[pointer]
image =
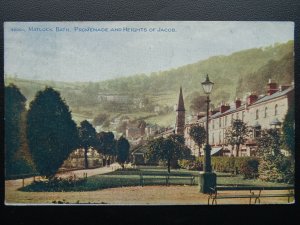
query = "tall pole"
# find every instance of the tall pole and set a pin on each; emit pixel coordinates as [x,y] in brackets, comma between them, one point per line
[207,179]
[207,159]
[207,115]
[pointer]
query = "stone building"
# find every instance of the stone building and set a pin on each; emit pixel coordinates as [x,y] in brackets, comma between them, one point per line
[258,112]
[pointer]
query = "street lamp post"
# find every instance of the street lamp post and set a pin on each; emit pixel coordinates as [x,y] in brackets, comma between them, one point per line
[207,178]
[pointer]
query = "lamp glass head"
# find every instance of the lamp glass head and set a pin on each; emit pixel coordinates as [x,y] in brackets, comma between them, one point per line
[207,85]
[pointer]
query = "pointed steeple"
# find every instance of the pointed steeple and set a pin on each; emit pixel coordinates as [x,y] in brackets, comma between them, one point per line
[180,106]
[180,118]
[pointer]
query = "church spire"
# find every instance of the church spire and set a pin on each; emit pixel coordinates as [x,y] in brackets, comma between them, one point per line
[180,118]
[180,106]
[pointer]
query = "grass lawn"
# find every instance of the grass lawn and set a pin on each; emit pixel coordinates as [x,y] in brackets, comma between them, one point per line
[150,175]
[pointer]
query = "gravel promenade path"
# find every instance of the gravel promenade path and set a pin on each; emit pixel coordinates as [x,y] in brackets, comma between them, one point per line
[147,195]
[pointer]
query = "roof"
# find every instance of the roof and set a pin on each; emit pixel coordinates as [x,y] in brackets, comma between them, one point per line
[260,100]
[140,149]
[275,95]
[275,122]
[215,150]
[180,106]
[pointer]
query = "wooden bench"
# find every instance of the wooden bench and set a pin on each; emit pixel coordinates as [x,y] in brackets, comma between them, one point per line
[255,192]
[167,179]
[190,179]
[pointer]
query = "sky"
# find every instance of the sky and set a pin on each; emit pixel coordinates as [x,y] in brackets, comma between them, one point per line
[95,51]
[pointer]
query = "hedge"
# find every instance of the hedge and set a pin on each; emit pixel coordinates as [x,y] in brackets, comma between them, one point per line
[247,166]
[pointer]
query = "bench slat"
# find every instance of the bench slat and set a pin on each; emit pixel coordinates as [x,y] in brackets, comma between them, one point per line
[215,192]
[236,196]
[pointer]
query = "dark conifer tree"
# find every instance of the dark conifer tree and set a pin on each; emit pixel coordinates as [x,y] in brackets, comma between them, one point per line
[51,132]
[87,136]
[122,148]
[14,108]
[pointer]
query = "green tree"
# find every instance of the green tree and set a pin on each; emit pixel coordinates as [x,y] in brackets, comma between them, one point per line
[198,135]
[51,132]
[237,134]
[100,119]
[269,142]
[14,109]
[288,130]
[198,104]
[273,166]
[106,144]
[87,138]
[168,149]
[122,148]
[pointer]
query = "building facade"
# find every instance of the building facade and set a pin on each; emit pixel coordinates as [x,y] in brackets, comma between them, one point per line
[258,112]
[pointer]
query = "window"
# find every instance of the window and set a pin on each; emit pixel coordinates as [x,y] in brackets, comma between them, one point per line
[225,121]
[220,142]
[266,112]
[231,118]
[213,124]
[276,110]
[243,115]
[237,116]
[257,132]
[220,122]
[257,114]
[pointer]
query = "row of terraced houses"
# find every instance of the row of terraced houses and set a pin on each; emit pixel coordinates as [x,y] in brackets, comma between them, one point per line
[258,112]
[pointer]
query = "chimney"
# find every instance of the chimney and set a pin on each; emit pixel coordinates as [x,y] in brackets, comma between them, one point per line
[272,87]
[224,108]
[200,115]
[251,98]
[238,103]
[214,111]
[283,87]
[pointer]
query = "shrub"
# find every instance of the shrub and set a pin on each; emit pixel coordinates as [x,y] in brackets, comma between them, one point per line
[247,166]
[276,169]
[191,164]
[55,184]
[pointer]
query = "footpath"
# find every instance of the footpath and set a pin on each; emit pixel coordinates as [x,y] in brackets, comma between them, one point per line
[89,172]
[16,184]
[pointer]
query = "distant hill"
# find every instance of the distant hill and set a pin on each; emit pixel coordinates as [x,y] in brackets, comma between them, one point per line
[233,75]
[229,73]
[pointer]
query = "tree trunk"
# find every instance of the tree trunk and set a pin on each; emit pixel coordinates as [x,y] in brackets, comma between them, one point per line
[86,164]
[237,150]
[169,165]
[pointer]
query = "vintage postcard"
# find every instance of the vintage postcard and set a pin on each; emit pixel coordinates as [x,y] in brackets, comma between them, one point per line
[149,113]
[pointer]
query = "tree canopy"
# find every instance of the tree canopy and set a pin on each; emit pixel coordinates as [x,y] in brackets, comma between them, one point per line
[274,166]
[87,138]
[198,104]
[237,134]
[52,134]
[269,142]
[122,149]
[14,108]
[100,119]
[198,134]
[288,130]
[168,149]
[106,143]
